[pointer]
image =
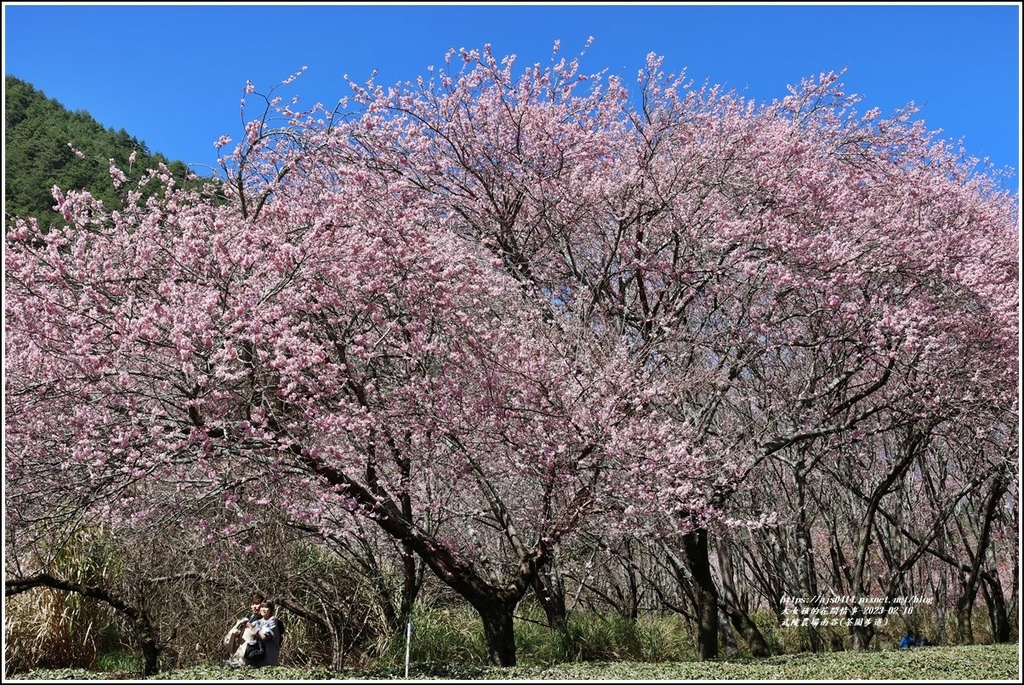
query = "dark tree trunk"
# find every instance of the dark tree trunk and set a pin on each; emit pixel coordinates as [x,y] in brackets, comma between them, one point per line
[498,632]
[412,573]
[746,627]
[698,560]
[547,585]
[999,618]
[964,611]
[972,583]
[807,576]
[495,603]
[736,607]
[861,637]
[938,597]
[412,579]
[732,650]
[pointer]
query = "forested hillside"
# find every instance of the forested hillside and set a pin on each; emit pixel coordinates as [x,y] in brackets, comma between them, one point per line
[42,137]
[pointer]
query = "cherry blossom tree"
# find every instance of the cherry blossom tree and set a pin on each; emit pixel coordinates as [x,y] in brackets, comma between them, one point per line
[361,359]
[487,312]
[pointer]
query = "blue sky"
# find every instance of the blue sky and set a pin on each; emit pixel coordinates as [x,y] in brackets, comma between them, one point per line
[172,74]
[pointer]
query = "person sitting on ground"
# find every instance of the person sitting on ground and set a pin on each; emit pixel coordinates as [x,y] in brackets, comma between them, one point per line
[268,632]
[908,640]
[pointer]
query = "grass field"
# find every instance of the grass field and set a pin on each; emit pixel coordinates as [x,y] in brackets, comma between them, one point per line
[976,663]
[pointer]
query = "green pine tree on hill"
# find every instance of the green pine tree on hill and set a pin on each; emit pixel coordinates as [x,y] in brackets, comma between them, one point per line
[38,154]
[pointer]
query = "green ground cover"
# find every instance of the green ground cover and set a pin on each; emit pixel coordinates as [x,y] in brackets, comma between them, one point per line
[973,663]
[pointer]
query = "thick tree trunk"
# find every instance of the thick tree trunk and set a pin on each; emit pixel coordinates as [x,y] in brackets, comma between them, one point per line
[964,626]
[746,627]
[972,583]
[412,579]
[807,577]
[997,614]
[695,551]
[412,573]
[732,650]
[861,637]
[495,603]
[551,594]
[498,631]
[735,607]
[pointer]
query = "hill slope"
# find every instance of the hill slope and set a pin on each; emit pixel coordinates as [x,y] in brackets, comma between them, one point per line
[42,137]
